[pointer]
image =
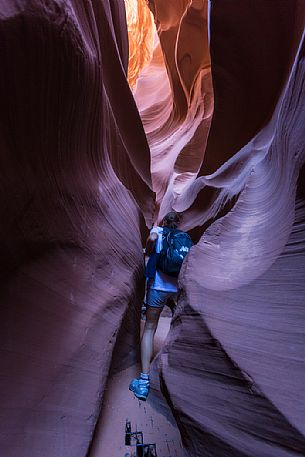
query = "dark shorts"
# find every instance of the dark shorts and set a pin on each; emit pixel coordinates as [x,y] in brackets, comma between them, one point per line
[158,298]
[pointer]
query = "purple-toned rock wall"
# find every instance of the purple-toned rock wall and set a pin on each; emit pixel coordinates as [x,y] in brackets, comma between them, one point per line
[71,250]
[233,365]
[225,127]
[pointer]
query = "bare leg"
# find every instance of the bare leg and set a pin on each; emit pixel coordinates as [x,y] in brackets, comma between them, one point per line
[147,342]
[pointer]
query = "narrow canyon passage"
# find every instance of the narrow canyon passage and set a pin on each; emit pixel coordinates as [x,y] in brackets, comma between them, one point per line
[113,113]
[153,417]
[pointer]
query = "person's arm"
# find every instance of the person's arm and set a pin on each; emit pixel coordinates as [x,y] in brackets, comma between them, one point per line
[151,242]
[150,248]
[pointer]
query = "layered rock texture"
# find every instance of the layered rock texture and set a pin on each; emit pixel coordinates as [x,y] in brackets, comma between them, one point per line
[175,97]
[242,280]
[214,128]
[233,365]
[75,183]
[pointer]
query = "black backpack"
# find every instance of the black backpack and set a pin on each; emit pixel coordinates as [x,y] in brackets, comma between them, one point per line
[175,247]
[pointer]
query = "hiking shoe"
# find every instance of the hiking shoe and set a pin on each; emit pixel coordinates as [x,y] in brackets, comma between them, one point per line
[140,388]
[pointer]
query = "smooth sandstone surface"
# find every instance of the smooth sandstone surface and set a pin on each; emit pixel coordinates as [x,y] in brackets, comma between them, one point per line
[75,183]
[212,126]
[236,340]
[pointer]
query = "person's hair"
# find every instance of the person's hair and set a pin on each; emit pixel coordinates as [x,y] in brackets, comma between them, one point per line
[171,220]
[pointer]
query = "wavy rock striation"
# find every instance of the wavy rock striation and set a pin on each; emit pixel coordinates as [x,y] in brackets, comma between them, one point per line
[77,172]
[69,272]
[236,339]
[175,97]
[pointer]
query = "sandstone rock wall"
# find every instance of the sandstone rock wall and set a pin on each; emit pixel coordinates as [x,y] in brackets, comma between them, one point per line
[232,369]
[222,105]
[71,251]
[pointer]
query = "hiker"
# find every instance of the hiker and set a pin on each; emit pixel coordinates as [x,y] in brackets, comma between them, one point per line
[167,247]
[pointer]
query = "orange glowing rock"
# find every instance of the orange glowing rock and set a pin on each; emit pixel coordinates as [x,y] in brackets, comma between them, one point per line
[141,31]
[174,95]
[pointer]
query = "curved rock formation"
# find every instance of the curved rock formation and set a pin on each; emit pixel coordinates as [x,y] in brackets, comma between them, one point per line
[69,271]
[78,178]
[175,97]
[236,340]
[246,394]
[141,32]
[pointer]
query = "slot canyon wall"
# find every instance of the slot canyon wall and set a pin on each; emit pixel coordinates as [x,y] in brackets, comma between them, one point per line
[233,365]
[75,171]
[214,128]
